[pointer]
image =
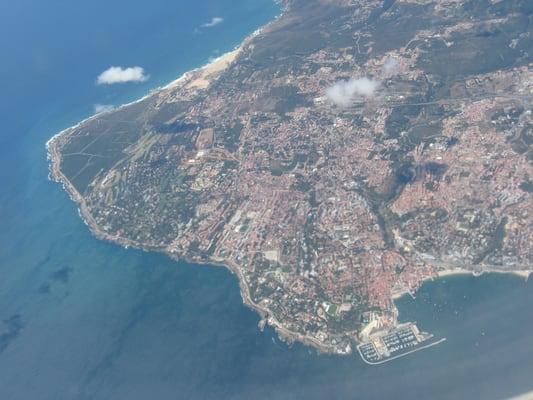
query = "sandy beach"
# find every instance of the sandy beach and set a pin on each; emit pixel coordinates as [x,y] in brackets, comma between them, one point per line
[206,74]
[444,273]
[196,78]
[459,271]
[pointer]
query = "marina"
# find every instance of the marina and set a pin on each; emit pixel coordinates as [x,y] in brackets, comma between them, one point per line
[388,345]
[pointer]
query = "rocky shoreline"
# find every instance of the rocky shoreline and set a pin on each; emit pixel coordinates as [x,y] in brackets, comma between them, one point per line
[285,334]
[266,316]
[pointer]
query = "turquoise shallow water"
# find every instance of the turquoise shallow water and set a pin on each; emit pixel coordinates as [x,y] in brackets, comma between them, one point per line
[85,319]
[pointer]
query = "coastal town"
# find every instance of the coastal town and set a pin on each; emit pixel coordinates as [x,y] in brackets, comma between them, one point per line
[337,159]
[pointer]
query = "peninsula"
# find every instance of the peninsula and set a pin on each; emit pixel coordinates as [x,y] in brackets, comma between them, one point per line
[342,155]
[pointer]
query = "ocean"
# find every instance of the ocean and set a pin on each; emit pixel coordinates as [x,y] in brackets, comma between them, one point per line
[86,319]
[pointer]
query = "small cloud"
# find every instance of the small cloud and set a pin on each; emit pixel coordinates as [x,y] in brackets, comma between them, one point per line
[214,22]
[343,93]
[391,66]
[100,108]
[121,75]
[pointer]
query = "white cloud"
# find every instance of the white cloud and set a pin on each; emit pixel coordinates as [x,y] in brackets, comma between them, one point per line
[121,75]
[100,108]
[214,22]
[391,66]
[343,93]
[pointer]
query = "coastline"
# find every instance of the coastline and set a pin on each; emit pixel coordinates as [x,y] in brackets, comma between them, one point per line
[182,79]
[265,315]
[54,157]
[201,75]
[460,271]
[450,272]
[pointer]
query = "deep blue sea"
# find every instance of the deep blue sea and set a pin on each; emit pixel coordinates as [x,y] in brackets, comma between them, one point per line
[85,319]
